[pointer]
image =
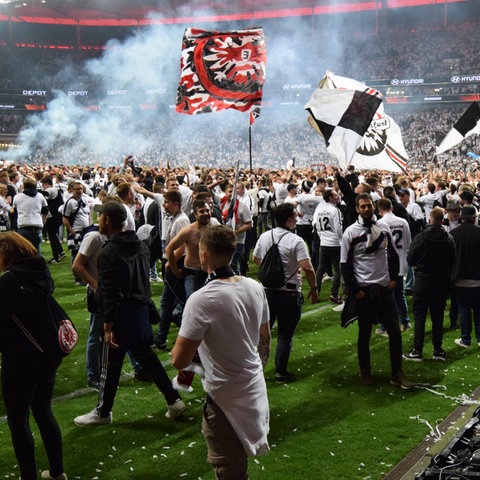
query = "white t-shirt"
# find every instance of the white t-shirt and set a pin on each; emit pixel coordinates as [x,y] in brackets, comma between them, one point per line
[227,318]
[401,237]
[91,247]
[29,209]
[292,250]
[327,220]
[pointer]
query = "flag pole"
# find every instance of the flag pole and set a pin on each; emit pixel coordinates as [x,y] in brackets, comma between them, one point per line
[250,146]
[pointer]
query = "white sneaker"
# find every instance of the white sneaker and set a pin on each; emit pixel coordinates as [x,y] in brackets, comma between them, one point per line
[459,342]
[92,418]
[45,475]
[175,409]
[339,308]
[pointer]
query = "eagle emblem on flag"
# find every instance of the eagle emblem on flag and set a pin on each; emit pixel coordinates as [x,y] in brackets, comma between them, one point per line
[221,70]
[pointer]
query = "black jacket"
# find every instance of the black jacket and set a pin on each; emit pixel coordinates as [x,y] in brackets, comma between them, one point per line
[123,270]
[349,197]
[467,243]
[23,290]
[432,253]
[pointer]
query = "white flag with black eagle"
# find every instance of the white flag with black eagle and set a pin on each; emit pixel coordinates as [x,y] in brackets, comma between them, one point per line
[379,144]
[468,124]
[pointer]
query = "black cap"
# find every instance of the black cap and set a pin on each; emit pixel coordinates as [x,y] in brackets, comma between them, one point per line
[404,191]
[114,210]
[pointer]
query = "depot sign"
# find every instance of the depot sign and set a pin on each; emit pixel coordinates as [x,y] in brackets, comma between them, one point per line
[38,93]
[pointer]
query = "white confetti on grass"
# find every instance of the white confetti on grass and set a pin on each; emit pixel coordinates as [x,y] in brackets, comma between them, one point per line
[434,432]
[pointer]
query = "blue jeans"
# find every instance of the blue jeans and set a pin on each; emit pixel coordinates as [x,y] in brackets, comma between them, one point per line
[410,280]
[33,235]
[237,258]
[94,345]
[285,308]
[468,299]
[194,280]
[173,294]
[401,302]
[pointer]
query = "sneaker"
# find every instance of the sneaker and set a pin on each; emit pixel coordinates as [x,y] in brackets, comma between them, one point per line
[53,261]
[80,284]
[336,300]
[95,384]
[439,354]
[339,308]
[459,342]
[92,418]
[381,331]
[413,355]
[284,377]
[326,278]
[161,346]
[61,256]
[366,377]
[46,476]
[402,381]
[175,409]
[405,326]
[154,279]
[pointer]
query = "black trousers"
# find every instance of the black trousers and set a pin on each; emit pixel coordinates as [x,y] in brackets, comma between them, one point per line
[378,305]
[52,225]
[433,299]
[28,387]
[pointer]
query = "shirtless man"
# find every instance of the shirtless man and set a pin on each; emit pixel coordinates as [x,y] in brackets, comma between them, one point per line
[188,239]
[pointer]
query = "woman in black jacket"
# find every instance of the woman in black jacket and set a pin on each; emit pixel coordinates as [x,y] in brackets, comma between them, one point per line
[28,375]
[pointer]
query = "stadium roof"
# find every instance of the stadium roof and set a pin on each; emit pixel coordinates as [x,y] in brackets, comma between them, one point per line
[138,12]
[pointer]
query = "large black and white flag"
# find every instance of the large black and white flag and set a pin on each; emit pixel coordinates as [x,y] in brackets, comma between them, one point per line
[381,146]
[468,124]
[342,116]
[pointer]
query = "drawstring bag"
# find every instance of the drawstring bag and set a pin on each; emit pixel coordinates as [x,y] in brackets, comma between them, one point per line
[59,337]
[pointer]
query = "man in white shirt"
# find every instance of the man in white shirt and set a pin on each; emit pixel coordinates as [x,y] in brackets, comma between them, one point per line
[32,210]
[328,223]
[402,241]
[227,321]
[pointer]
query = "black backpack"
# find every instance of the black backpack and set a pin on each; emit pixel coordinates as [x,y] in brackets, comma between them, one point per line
[271,272]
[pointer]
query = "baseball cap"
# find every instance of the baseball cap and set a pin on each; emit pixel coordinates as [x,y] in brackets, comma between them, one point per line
[404,191]
[114,210]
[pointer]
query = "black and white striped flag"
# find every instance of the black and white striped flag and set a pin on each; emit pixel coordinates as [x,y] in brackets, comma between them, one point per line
[342,116]
[468,124]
